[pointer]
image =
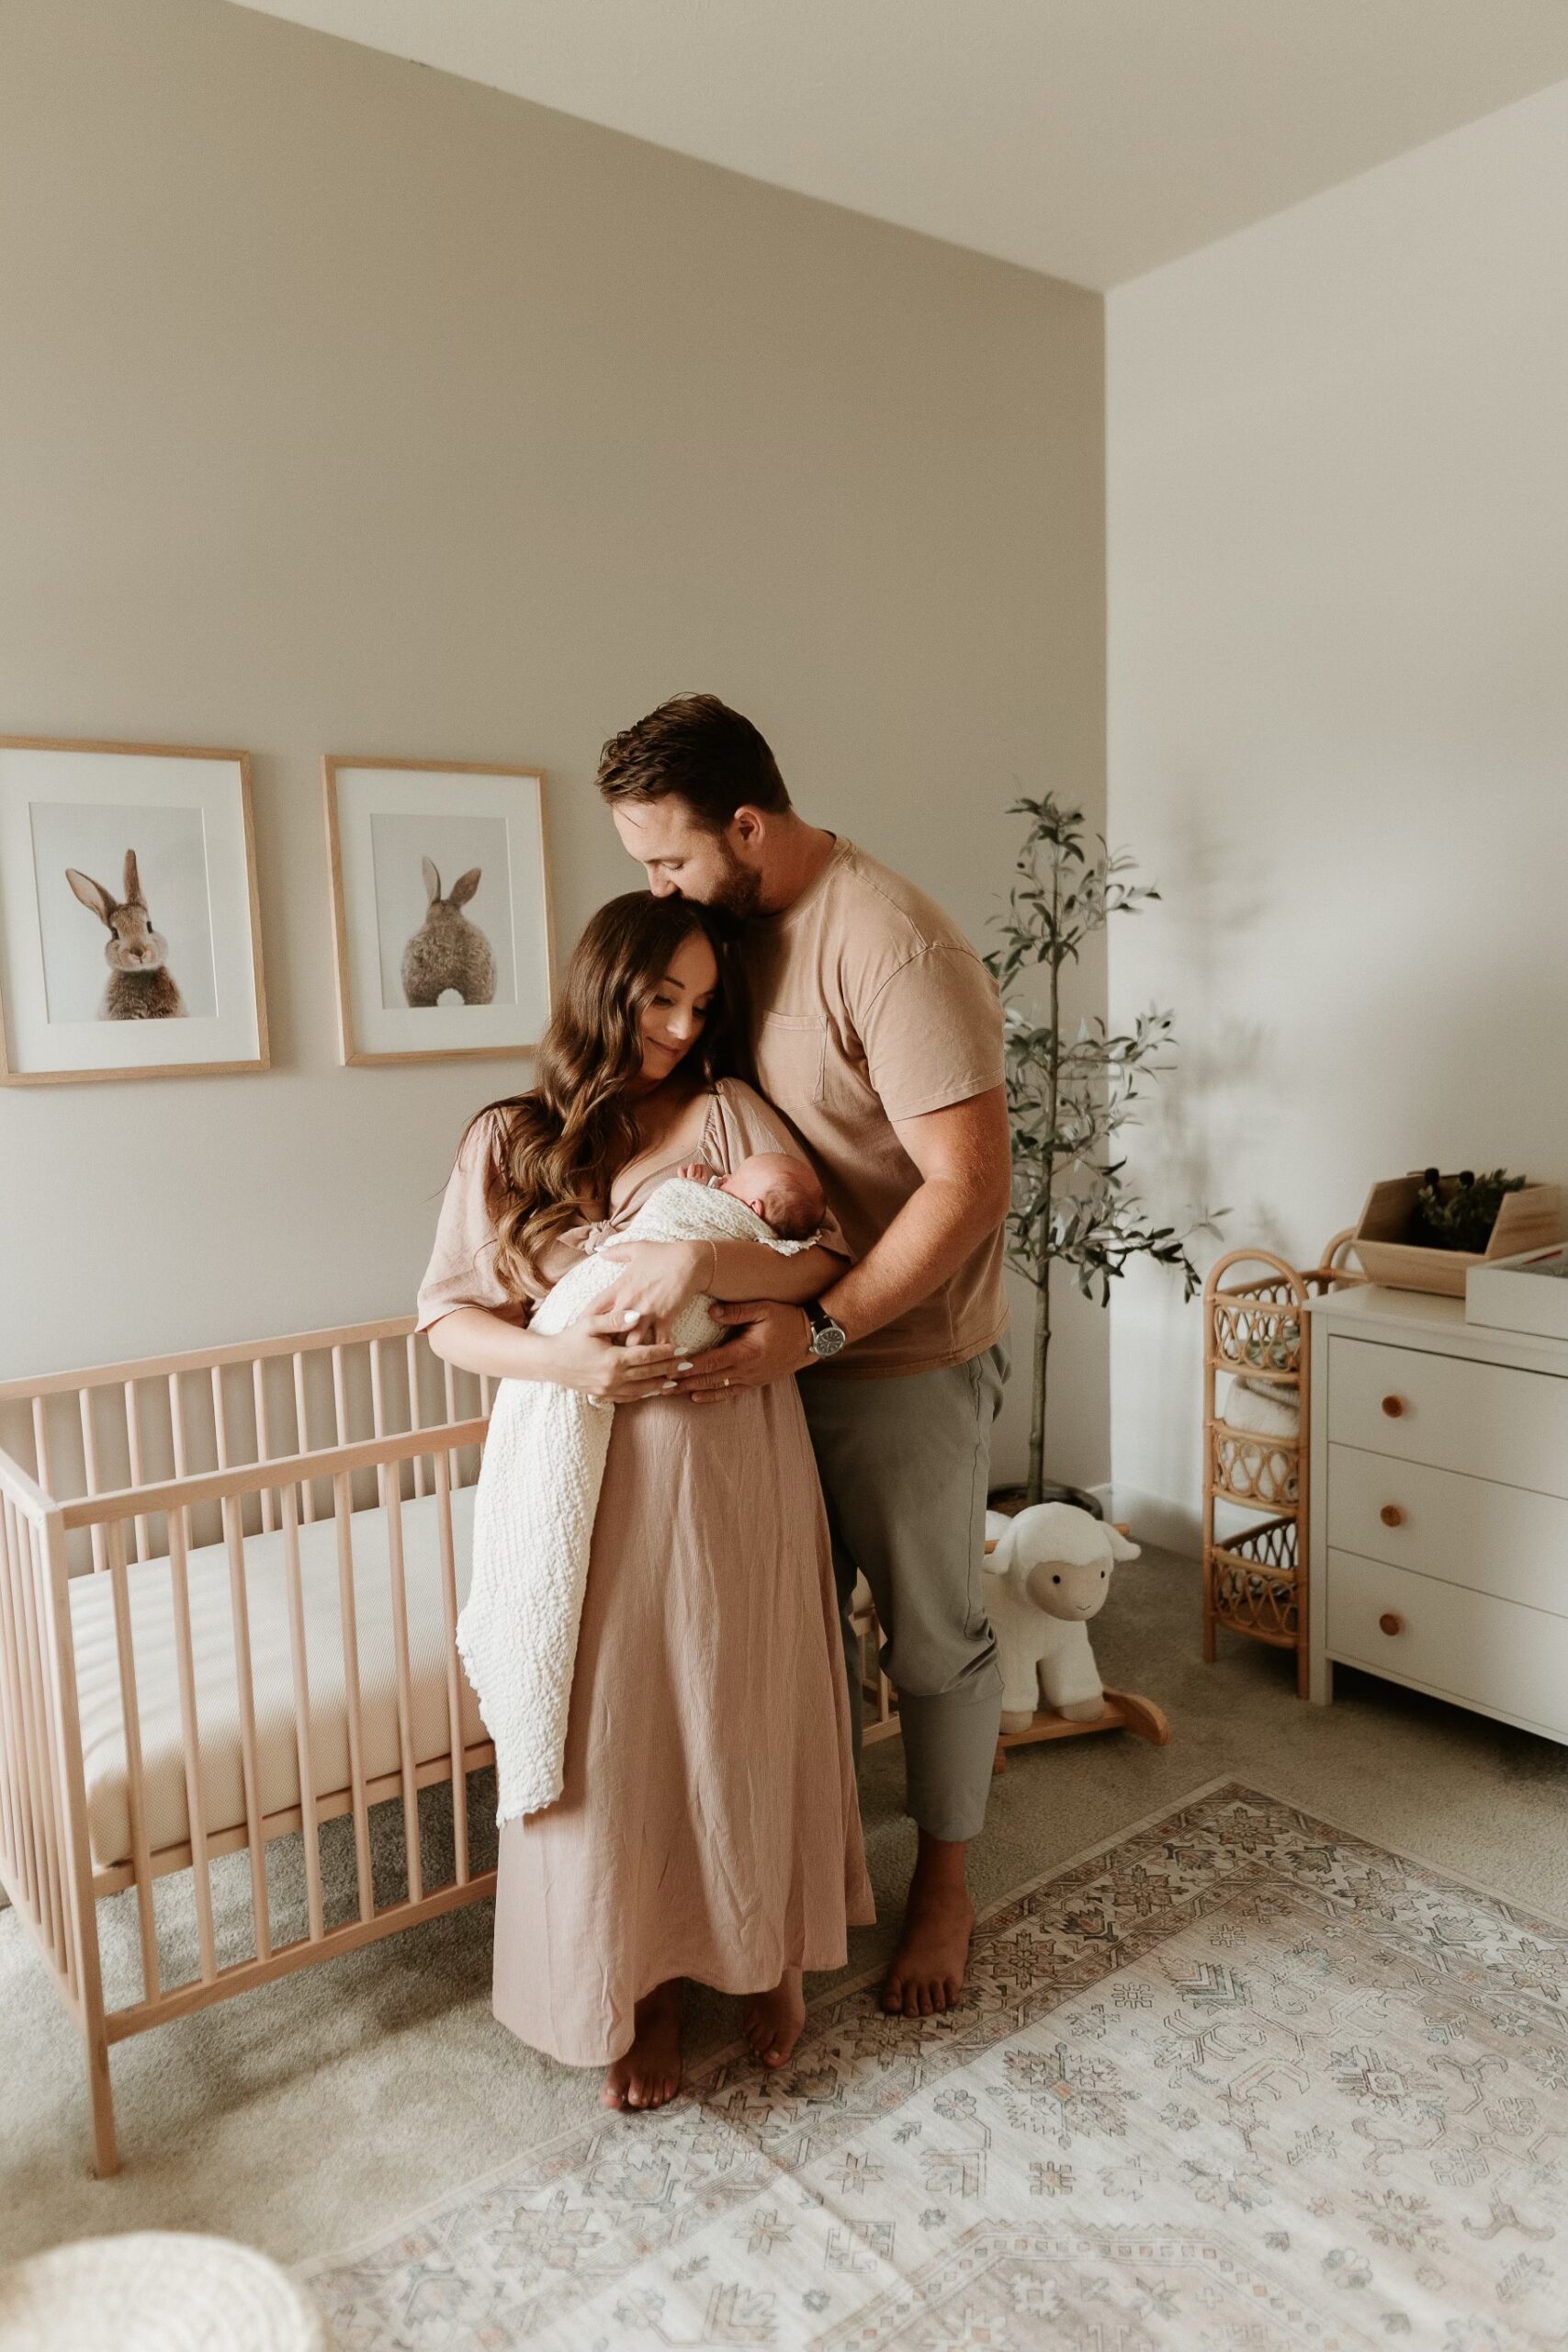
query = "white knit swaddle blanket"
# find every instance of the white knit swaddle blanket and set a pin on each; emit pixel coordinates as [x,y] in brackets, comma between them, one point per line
[538,1490]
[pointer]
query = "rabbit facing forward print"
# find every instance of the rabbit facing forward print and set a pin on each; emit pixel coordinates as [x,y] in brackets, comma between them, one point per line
[448,950]
[140,986]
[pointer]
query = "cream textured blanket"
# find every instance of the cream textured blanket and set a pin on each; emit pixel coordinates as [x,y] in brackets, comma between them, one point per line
[538,1490]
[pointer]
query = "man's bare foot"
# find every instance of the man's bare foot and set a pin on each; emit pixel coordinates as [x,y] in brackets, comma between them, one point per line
[925,1976]
[773,2019]
[649,2073]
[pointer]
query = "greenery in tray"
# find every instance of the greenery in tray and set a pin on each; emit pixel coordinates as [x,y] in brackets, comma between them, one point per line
[1462,1218]
[1069,1097]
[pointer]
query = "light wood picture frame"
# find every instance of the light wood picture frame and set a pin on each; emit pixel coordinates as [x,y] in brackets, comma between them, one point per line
[130,922]
[443,927]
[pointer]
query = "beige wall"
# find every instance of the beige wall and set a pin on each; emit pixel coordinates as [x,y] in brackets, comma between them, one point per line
[1338,701]
[347,406]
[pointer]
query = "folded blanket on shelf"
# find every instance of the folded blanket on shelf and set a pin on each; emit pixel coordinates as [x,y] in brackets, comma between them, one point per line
[538,1491]
[1263,1408]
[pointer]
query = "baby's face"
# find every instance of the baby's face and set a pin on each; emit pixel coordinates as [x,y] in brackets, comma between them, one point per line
[782,1191]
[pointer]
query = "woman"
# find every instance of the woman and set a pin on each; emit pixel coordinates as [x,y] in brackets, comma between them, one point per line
[708,1826]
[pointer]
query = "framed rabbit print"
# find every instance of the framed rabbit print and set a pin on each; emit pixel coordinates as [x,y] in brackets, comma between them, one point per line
[441,908]
[129,939]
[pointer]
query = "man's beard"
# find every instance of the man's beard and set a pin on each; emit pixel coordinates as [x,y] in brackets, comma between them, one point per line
[735,901]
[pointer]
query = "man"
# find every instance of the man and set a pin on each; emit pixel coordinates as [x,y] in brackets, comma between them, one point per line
[878,1034]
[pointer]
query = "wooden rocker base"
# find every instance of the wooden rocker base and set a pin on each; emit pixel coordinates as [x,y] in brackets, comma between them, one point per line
[1123,1712]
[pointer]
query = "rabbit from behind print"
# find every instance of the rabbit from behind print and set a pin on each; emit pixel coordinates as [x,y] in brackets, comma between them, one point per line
[448,950]
[140,986]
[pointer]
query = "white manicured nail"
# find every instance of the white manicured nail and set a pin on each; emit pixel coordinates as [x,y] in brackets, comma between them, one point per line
[630,1314]
[685,1365]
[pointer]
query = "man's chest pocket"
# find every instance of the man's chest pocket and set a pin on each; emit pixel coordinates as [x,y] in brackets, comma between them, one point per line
[792,1059]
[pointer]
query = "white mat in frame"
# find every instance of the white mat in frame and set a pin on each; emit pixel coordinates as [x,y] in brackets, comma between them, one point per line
[184,813]
[396,828]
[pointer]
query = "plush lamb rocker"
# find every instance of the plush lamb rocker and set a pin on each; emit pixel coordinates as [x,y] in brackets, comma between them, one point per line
[1050,1572]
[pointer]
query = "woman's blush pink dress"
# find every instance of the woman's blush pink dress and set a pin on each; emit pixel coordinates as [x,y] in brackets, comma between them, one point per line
[708,1826]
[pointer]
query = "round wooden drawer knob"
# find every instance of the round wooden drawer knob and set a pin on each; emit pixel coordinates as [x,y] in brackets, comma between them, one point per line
[1390,1624]
[1394,1407]
[1390,1515]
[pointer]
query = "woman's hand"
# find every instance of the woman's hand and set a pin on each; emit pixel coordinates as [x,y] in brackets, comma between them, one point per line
[660,1279]
[597,1357]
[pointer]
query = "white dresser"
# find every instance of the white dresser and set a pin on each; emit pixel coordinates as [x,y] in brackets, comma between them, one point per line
[1440,1505]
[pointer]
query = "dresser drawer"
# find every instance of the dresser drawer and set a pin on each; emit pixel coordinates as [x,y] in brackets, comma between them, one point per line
[1467,1647]
[1484,1419]
[1503,1539]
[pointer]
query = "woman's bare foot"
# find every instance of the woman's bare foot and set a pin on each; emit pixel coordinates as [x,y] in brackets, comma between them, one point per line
[773,2019]
[925,1975]
[649,2073]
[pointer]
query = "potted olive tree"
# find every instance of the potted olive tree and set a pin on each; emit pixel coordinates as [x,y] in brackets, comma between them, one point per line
[1068,1099]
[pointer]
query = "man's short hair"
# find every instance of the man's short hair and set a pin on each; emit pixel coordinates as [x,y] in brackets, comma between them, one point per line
[696,749]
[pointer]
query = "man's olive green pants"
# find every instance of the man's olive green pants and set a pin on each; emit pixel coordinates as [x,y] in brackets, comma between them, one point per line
[904,1465]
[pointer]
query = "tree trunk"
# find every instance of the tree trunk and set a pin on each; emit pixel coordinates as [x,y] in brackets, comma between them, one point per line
[1043,1291]
[1037,1393]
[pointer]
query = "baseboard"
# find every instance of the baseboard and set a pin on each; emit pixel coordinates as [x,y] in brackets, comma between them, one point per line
[1154,1518]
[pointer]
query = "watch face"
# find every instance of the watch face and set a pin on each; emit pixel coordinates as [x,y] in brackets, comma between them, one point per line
[827,1342]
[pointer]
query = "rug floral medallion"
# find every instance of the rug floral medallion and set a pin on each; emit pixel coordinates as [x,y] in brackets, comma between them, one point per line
[1239,2081]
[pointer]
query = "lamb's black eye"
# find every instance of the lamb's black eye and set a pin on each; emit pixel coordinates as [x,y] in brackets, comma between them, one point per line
[1056,1579]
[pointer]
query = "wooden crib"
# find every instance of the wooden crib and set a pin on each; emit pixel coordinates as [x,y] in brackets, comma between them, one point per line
[229,1586]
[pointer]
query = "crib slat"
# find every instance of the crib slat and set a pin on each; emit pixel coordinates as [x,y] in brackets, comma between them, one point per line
[90,1464]
[289,1500]
[133,1451]
[51,1885]
[453,1669]
[50,1727]
[40,1443]
[219,1417]
[449,1389]
[340,1404]
[130,1714]
[10,1782]
[302,1444]
[244,1686]
[177,1437]
[77,1845]
[264,1442]
[392,1504]
[416,1417]
[191,1739]
[12,1571]
[344,1500]
[378,1402]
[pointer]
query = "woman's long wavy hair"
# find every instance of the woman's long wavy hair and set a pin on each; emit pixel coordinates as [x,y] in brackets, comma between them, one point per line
[554,1150]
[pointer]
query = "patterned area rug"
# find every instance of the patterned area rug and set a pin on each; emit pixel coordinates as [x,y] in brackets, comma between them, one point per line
[1237,2081]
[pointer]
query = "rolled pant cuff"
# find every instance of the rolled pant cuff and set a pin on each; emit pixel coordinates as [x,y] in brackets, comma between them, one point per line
[950,1747]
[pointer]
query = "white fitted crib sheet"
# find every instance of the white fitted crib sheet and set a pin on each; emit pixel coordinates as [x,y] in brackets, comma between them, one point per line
[217,1702]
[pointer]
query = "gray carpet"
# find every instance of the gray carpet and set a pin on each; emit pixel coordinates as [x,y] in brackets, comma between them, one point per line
[308,2115]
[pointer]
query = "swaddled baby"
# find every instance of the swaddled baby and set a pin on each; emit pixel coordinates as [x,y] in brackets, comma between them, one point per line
[784,1192]
[544,1463]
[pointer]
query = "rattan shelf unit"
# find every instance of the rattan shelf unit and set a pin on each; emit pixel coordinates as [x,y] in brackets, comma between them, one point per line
[1256,1327]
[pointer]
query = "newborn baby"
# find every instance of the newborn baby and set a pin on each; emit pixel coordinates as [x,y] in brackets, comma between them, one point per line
[775,1186]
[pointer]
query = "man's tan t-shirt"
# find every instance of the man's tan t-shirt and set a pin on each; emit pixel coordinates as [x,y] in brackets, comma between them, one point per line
[871,1006]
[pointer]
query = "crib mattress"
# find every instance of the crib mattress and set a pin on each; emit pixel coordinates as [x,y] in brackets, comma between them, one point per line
[217,1702]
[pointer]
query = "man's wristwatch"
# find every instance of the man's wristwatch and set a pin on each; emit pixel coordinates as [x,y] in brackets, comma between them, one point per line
[828,1337]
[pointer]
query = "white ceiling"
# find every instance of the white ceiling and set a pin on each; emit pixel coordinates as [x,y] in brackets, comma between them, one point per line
[1091,139]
